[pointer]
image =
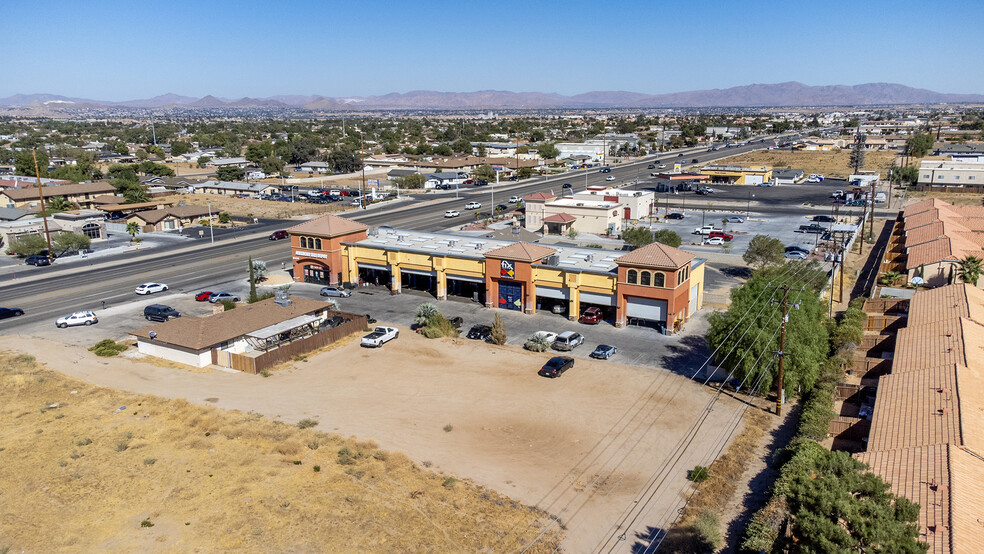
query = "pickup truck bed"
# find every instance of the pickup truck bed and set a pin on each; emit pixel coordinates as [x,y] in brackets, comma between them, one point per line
[380,336]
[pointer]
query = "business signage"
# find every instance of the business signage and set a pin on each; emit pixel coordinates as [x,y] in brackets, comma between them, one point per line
[498,168]
[311,254]
[373,182]
[507,268]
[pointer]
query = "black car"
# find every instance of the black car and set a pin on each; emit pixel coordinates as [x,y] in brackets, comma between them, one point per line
[814,228]
[651,166]
[160,312]
[797,249]
[674,215]
[824,218]
[480,332]
[566,185]
[481,182]
[37,260]
[555,367]
[10,312]
[695,161]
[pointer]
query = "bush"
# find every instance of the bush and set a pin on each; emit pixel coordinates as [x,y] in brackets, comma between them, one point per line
[449,483]
[307,423]
[107,348]
[818,411]
[498,335]
[228,305]
[425,311]
[698,474]
[439,326]
[259,297]
[707,529]
[224,217]
[537,343]
[347,458]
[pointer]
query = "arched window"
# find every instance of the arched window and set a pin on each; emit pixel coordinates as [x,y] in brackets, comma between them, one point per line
[644,278]
[304,242]
[631,276]
[659,279]
[317,244]
[91,230]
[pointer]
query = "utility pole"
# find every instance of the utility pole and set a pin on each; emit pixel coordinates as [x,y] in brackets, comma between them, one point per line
[782,346]
[362,146]
[44,210]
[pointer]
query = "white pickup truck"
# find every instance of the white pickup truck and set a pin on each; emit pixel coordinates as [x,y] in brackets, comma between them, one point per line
[380,335]
[705,230]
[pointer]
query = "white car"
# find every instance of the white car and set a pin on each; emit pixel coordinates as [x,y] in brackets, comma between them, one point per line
[513,199]
[379,336]
[662,166]
[473,205]
[451,213]
[150,288]
[714,241]
[548,337]
[610,178]
[78,318]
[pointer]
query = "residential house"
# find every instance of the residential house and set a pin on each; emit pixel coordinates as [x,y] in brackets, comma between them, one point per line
[233,188]
[314,167]
[171,218]
[787,176]
[227,162]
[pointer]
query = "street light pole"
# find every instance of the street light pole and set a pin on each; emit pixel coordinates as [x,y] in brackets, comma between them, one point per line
[211,226]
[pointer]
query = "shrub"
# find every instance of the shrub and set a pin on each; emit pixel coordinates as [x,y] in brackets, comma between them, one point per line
[150,461]
[698,474]
[425,311]
[448,428]
[228,305]
[438,326]
[146,523]
[317,469]
[84,442]
[107,348]
[707,529]
[498,335]
[537,343]
[449,483]
[259,297]
[307,423]
[224,217]
[347,458]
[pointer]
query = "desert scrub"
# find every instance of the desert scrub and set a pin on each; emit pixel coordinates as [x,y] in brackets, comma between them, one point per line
[107,348]
[307,423]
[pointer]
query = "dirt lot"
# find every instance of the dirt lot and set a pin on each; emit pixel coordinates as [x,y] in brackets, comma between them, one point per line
[581,448]
[86,468]
[251,207]
[833,163]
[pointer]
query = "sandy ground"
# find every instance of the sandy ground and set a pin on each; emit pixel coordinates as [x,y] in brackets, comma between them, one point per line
[251,207]
[582,447]
[834,163]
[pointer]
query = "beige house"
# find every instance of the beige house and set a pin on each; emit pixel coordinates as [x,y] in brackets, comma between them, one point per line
[636,204]
[169,219]
[550,215]
[81,194]
[83,222]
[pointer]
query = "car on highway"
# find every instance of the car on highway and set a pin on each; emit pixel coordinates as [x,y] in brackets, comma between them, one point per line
[556,366]
[451,213]
[695,161]
[514,199]
[481,182]
[674,215]
[610,178]
[567,186]
[662,166]
[203,296]
[337,292]
[715,241]
[795,255]
[10,312]
[150,288]
[220,296]
[703,191]
[592,316]
[603,352]
[278,235]
[77,318]
[473,205]
[480,332]
[502,208]
[606,170]
[651,166]
[735,219]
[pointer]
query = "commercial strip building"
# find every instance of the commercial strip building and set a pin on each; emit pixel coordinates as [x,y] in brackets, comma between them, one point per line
[656,285]
[250,338]
[945,175]
[598,210]
[737,175]
[930,239]
[90,223]
[926,434]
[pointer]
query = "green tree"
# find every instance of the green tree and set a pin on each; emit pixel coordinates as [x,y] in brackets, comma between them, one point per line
[753,311]
[415,181]
[179,148]
[256,152]
[141,154]
[202,160]
[57,204]
[156,150]
[480,150]
[462,146]
[667,237]
[763,251]
[637,236]
[121,149]
[133,229]
[484,171]
[303,149]
[271,165]
[838,506]
[230,173]
[153,168]
[252,282]
[547,151]
[537,135]
[498,334]
[27,245]
[24,163]
[70,242]
[970,270]
[919,145]
[344,160]
[443,150]
[124,172]
[524,172]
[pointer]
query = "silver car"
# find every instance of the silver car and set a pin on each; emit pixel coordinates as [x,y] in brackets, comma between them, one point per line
[78,318]
[335,291]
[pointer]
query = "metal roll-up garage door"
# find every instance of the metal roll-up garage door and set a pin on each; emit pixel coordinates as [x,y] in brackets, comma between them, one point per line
[753,179]
[466,278]
[646,308]
[550,292]
[595,298]
[374,266]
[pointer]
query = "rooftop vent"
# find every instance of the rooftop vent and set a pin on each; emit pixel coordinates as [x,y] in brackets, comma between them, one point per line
[281,298]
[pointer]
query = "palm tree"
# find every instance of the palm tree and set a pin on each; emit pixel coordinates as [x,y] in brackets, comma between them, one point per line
[57,204]
[132,228]
[970,269]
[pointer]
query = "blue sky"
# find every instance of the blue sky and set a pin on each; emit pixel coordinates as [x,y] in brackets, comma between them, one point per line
[126,50]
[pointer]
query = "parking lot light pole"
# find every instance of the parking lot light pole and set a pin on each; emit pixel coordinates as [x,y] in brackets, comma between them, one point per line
[211,225]
[748,206]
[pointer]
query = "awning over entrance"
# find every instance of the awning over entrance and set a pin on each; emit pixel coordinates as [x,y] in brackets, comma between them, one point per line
[550,292]
[466,278]
[595,298]
[275,330]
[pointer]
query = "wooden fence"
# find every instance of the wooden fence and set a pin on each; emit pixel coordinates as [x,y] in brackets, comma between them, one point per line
[886,306]
[256,362]
[849,428]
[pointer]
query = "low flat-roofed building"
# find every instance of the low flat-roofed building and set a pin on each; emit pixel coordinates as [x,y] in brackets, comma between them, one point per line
[90,223]
[602,217]
[80,194]
[736,174]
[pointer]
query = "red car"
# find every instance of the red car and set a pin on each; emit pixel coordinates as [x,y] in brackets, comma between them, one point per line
[592,315]
[719,234]
[277,235]
[203,296]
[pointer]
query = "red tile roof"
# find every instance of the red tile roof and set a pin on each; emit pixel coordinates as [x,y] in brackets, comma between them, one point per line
[540,196]
[521,251]
[656,255]
[328,226]
[946,303]
[560,218]
[958,341]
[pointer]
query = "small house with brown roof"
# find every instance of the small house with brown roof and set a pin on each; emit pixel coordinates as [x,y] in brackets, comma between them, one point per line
[81,194]
[171,218]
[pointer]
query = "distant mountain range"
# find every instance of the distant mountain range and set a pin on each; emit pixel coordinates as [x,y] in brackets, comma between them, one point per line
[749,96]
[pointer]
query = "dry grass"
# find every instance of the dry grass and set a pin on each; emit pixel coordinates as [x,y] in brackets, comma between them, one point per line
[223,480]
[243,207]
[717,492]
[833,163]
